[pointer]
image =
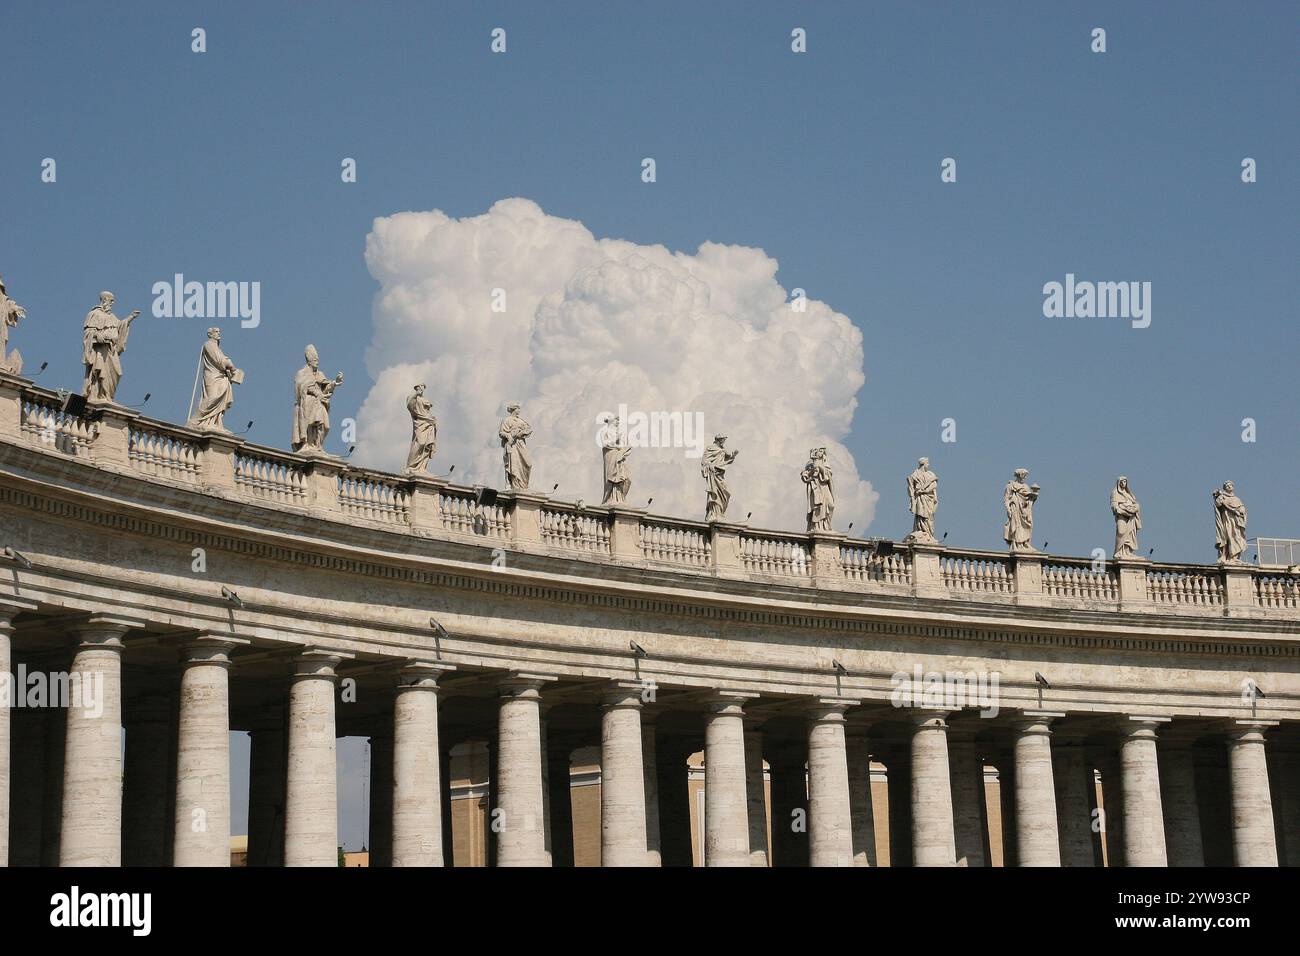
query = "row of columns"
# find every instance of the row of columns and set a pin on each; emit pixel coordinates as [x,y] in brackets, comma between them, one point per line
[1046,785]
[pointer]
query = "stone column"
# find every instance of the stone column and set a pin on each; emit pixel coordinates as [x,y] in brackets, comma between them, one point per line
[1037,839]
[898,786]
[1004,755]
[559,782]
[726,820]
[933,840]
[311,797]
[266,780]
[830,817]
[417,778]
[1254,841]
[1178,798]
[967,795]
[146,782]
[649,761]
[202,834]
[1214,799]
[857,742]
[28,785]
[380,839]
[1144,829]
[622,777]
[444,799]
[1112,809]
[522,838]
[1072,773]
[91,833]
[755,792]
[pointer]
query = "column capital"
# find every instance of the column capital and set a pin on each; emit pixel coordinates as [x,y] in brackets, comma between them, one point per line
[1249,731]
[1134,726]
[210,648]
[1035,721]
[318,662]
[929,717]
[422,675]
[622,693]
[731,702]
[524,684]
[828,709]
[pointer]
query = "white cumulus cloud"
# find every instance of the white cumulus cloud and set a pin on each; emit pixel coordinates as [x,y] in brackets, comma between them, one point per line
[594,324]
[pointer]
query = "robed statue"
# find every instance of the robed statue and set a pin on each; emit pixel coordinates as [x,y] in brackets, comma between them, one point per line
[103,342]
[312,392]
[219,380]
[819,484]
[514,434]
[922,501]
[1019,498]
[1229,524]
[713,466]
[614,452]
[10,313]
[1128,518]
[424,432]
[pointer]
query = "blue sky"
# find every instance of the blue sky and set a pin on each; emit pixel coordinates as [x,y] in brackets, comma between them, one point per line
[1116,166]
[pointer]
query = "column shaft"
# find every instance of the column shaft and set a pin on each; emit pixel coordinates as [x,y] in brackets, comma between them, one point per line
[1254,842]
[756,795]
[1144,830]
[933,840]
[726,820]
[202,835]
[861,803]
[521,840]
[967,797]
[1037,838]
[1073,775]
[91,833]
[622,779]
[146,783]
[380,839]
[266,770]
[1178,799]
[830,816]
[311,797]
[649,762]
[417,769]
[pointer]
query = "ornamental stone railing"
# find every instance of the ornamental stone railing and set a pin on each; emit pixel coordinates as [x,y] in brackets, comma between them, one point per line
[328,488]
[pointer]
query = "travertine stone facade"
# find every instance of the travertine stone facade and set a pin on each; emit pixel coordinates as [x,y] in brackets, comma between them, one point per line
[634,689]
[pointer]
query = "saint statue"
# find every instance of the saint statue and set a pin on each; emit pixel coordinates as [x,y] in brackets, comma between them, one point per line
[219,379]
[1128,518]
[821,490]
[713,466]
[103,342]
[10,313]
[1019,500]
[514,434]
[1229,524]
[312,392]
[424,432]
[618,476]
[922,501]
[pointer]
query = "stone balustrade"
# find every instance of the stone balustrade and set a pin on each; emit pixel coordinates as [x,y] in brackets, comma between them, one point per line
[118,438]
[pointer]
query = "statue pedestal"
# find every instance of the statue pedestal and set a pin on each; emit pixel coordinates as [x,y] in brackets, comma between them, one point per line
[1027,571]
[927,575]
[11,404]
[625,532]
[826,570]
[526,528]
[1133,594]
[113,443]
[724,542]
[1239,590]
[323,470]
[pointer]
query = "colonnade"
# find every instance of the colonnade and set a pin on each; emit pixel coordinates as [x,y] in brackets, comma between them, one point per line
[1160,805]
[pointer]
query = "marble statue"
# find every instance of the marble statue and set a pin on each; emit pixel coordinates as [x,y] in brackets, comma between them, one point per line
[219,380]
[312,392]
[820,487]
[10,313]
[514,434]
[922,501]
[618,476]
[1229,524]
[713,466]
[1128,518]
[1019,500]
[103,342]
[424,432]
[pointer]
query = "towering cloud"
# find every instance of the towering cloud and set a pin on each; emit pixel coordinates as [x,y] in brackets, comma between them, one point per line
[590,325]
